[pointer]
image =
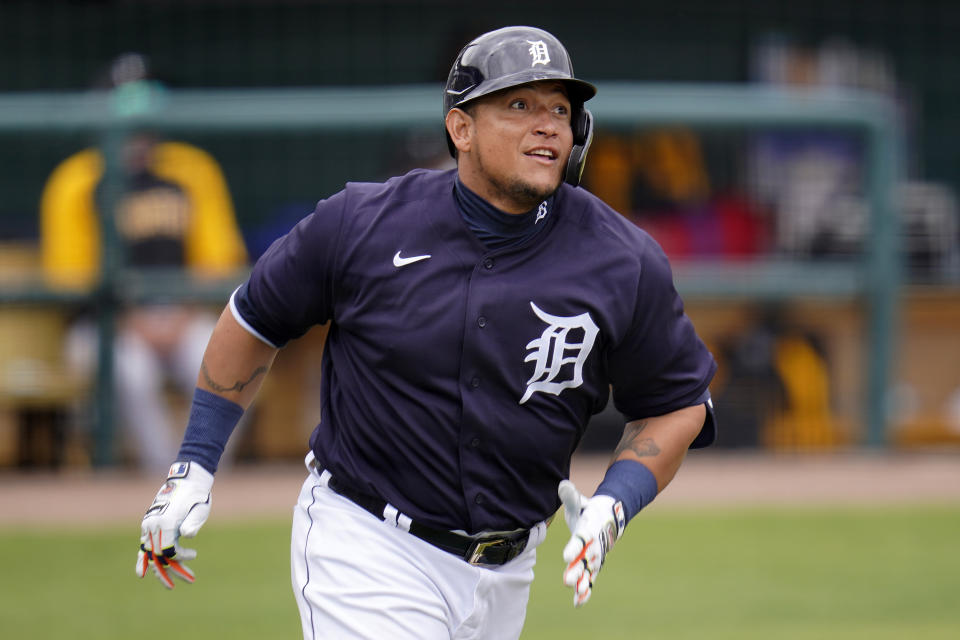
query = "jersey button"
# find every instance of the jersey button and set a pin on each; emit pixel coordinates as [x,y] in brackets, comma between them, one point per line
[475,383]
[479,498]
[488,263]
[481,322]
[475,443]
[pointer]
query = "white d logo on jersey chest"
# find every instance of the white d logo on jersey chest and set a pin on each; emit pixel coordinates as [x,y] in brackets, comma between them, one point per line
[538,51]
[551,353]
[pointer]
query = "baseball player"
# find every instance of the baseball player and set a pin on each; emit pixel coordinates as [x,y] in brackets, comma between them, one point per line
[478,318]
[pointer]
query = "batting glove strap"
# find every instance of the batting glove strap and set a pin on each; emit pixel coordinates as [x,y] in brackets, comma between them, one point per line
[179,509]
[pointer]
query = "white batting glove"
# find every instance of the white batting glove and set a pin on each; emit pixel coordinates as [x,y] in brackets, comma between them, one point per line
[179,510]
[595,524]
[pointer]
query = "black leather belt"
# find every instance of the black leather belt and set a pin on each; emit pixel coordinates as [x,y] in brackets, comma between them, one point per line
[492,549]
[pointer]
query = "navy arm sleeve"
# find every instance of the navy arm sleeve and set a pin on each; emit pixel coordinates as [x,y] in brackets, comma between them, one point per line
[661,365]
[292,286]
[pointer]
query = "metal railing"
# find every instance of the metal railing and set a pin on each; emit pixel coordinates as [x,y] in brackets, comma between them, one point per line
[876,279]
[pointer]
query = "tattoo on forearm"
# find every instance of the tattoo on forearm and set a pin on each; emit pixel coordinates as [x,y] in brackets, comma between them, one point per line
[631,441]
[237,386]
[644,447]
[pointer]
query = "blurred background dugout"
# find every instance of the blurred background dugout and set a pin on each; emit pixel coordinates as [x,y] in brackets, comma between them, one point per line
[792,372]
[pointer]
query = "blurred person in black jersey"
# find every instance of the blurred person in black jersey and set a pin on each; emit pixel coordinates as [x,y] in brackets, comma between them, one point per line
[174,212]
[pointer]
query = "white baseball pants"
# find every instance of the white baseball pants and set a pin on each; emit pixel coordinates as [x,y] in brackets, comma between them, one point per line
[355,576]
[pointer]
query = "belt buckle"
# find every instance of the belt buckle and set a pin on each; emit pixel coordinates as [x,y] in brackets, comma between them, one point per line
[480,547]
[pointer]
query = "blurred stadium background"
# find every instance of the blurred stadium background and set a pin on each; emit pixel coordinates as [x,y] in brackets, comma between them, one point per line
[830,297]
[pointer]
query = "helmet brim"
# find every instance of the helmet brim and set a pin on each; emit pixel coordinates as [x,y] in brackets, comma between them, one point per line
[578,91]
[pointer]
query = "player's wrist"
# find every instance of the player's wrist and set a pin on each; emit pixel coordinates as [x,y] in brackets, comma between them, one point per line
[631,483]
[212,419]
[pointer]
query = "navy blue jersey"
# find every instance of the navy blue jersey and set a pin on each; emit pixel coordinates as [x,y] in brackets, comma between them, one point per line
[456,380]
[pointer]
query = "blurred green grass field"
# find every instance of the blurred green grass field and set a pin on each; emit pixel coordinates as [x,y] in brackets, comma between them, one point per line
[745,573]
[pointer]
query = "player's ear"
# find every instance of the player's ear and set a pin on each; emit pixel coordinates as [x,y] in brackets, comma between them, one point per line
[459,125]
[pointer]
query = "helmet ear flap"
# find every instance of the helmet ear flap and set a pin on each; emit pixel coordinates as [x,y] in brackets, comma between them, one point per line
[582,137]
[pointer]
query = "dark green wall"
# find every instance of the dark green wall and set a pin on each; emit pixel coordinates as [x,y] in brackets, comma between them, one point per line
[64,45]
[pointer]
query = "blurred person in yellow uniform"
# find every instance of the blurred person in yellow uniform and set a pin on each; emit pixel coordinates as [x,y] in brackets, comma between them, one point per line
[174,211]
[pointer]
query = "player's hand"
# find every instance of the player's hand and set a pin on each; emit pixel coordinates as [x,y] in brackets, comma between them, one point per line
[179,510]
[595,524]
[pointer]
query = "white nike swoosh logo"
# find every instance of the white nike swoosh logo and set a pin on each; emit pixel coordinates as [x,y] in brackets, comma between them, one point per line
[402,262]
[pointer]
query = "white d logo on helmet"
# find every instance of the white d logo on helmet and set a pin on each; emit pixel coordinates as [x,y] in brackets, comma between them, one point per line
[538,51]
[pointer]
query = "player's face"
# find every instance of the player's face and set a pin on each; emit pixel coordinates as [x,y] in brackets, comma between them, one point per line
[520,141]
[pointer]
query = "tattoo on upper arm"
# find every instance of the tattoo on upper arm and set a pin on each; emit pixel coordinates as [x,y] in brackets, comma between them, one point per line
[631,441]
[237,386]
